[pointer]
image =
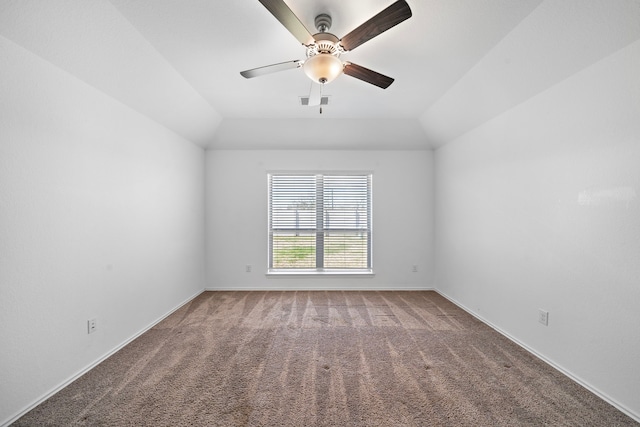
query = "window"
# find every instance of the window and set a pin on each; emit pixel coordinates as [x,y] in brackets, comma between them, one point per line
[319,223]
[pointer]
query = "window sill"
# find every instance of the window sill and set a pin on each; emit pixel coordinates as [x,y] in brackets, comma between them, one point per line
[320,273]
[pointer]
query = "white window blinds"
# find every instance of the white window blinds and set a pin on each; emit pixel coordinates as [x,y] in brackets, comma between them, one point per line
[320,222]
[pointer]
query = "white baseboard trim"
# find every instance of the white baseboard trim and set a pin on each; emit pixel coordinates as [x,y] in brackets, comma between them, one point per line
[92,365]
[591,388]
[87,368]
[320,287]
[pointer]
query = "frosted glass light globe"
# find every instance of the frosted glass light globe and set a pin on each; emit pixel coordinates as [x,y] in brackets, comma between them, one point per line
[323,68]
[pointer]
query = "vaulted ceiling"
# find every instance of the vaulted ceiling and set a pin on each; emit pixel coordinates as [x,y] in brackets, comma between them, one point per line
[456,63]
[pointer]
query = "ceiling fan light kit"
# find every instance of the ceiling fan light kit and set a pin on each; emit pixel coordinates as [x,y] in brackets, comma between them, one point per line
[323,63]
[323,68]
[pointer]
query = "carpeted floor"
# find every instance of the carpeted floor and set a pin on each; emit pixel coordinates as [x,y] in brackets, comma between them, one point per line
[323,359]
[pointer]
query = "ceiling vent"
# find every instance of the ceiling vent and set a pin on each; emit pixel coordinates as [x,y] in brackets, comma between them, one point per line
[304,100]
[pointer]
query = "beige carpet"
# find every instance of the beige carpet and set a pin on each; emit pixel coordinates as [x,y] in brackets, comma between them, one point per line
[323,359]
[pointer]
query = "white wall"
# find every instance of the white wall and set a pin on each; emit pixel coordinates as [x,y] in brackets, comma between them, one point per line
[332,134]
[237,216]
[101,216]
[538,208]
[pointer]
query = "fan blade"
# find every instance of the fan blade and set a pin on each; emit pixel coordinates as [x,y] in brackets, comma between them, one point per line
[390,17]
[367,75]
[281,11]
[315,94]
[268,69]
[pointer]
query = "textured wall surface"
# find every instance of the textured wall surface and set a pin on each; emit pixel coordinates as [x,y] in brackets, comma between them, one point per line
[101,216]
[237,216]
[540,208]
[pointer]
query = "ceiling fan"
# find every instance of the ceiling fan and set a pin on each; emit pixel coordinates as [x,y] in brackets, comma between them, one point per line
[323,63]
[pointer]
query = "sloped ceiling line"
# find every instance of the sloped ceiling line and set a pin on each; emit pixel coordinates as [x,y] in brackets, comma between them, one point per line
[457,63]
[93,42]
[557,40]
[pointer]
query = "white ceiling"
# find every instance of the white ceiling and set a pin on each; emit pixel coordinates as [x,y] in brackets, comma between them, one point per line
[457,63]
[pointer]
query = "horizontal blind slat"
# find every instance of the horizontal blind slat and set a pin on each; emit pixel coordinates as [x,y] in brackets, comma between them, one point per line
[327,213]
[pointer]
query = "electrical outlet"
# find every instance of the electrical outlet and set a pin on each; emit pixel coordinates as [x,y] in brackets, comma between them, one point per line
[92,325]
[415,268]
[543,317]
[247,268]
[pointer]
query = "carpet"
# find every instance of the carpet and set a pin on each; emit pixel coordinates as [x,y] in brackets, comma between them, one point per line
[319,358]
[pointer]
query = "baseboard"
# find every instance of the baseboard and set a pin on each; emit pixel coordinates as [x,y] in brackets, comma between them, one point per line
[577,379]
[320,287]
[92,365]
[569,374]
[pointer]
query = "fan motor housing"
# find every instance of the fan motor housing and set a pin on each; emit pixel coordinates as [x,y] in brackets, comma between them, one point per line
[323,64]
[324,43]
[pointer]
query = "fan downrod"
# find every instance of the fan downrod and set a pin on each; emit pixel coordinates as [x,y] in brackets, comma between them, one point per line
[323,23]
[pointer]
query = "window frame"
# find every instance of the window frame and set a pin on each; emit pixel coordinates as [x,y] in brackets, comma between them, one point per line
[320,229]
